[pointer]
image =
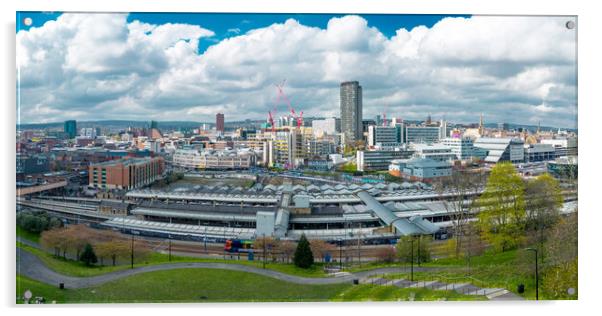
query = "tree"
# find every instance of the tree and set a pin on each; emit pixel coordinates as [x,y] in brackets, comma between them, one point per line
[113,249]
[303,256]
[543,203]
[386,254]
[78,236]
[561,269]
[462,186]
[421,248]
[267,243]
[55,239]
[88,256]
[286,249]
[349,167]
[37,222]
[321,248]
[502,216]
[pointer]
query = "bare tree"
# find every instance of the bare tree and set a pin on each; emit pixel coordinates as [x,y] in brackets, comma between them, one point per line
[386,254]
[56,240]
[113,249]
[78,236]
[321,248]
[266,243]
[286,249]
[458,194]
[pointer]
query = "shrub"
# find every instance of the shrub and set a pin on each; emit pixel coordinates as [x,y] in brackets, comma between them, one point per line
[303,255]
[88,257]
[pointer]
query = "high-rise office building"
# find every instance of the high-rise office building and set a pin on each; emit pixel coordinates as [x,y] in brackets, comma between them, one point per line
[71,128]
[351,111]
[219,122]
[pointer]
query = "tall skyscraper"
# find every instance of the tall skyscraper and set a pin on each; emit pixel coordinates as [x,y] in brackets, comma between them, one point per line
[219,122]
[71,128]
[351,111]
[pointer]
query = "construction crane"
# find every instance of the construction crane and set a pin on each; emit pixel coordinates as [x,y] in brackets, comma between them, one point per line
[300,119]
[271,120]
[282,95]
[385,116]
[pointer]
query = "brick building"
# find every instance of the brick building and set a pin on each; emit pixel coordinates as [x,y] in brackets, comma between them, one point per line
[128,173]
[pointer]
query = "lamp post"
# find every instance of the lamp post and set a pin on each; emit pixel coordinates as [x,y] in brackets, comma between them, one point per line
[536,273]
[264,251]
[132,251]
[419,237]
[205,239]
[340,254]
[169,247]
[412,259]
[359,250]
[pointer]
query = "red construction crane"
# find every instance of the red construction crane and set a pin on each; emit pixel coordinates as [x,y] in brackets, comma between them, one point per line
[385,116]
[300,119]
[281,94]
[271,120]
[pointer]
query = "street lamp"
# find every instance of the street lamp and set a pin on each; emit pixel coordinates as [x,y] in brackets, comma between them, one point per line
[536,273]
[412,259]
[169,247]
[264,250]
[132,251]
[340,240]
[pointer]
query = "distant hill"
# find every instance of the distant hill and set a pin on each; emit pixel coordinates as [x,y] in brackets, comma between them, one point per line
[175,125]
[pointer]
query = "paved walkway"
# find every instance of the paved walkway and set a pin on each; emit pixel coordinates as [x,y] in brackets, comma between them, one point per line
[31,266]
[462,288]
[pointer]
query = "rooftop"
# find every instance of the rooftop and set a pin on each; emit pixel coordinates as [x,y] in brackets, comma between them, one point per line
[125,162]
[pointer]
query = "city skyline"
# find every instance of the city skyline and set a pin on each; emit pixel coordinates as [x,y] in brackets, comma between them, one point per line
[162,71]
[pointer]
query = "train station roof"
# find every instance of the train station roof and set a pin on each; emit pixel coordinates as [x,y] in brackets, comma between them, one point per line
[415,225]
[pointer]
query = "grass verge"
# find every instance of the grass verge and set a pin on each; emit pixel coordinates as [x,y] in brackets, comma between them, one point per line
[367,292]
[76,268]
[25,234]
[186,285]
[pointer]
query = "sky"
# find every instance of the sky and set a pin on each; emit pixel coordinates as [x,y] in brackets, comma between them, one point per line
[180,66]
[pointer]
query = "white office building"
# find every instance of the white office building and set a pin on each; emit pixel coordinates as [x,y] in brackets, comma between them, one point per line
[324,127]
[88,132]
[379,159]
[563,147]
[437,152]
[187,158]
[502,149]
[420,169]
[384,136]
[423,134]
[463,147]
[539,152]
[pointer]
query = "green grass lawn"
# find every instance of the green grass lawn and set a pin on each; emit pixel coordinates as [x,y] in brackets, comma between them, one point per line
[27,234]
[210,285]
[186,285]
[488,270]
[76,268]
[368,292]
[492,270]
[498,278]
[51,293]
[68,266]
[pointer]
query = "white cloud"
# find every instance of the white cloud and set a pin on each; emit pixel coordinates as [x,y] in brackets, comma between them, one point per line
[98,66]
[234,30]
